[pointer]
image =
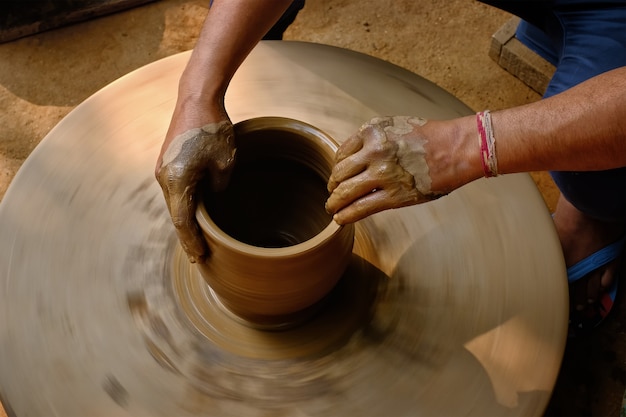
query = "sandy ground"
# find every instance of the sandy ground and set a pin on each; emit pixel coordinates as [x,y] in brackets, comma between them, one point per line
[43,77]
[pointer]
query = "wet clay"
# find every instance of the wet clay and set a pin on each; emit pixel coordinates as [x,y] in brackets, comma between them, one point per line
[406,148]
[382,166]
[275,251]
[270,202]
[184,148]
[411,155]
[208,152]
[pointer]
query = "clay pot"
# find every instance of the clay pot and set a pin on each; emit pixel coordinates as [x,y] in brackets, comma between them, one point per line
[274,251]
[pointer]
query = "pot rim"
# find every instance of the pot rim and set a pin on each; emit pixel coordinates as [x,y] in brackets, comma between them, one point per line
[215,232]
[209,227]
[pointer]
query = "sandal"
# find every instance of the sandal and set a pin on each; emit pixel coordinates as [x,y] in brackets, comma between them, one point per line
[583,322]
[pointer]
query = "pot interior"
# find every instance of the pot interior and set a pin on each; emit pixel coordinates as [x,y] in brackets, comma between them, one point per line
[277,191]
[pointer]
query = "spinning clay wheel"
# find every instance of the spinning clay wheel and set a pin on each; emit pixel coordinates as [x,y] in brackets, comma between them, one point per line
[455,307]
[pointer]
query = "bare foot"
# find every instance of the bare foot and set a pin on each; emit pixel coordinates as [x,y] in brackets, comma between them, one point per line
[581,236]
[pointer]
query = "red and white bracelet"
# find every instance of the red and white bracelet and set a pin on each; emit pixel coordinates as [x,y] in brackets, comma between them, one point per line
[487,144]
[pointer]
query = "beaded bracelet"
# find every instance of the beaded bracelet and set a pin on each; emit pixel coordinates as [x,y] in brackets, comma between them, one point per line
[487,144]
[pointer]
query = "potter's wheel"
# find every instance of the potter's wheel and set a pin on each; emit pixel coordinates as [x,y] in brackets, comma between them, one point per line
[457,307]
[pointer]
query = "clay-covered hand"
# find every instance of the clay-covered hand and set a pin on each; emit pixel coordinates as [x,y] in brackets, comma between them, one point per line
[382,166]
[195,154]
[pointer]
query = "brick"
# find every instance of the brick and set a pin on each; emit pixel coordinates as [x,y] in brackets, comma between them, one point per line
[518,59]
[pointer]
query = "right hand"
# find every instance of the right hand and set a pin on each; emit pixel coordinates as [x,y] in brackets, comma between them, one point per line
[199,144]
[384,165]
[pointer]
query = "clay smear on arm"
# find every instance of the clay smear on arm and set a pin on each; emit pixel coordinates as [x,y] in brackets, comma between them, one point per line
[190,154]
[410,154]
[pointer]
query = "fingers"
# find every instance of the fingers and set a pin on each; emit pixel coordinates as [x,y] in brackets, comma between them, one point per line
[349,191]
[183,212]
[345,169]
[351,146]
[587,292]
[610,274]
[369,145]
[367,194]
[376,170]
[182,206]
[374,202]
[189,158]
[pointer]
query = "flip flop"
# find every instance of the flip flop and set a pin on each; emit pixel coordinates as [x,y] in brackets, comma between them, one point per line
[585,322]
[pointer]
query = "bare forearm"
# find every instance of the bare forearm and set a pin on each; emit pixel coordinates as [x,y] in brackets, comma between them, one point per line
[232,28]
[581,129]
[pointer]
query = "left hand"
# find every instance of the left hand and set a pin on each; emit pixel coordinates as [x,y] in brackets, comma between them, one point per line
[199,145]
[382,166]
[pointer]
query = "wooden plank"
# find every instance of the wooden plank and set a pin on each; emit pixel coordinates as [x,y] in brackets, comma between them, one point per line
[526,65]
[19,18]
[518,59]
[501,37]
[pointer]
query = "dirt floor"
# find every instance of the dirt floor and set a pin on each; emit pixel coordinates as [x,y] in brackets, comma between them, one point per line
[44,76]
